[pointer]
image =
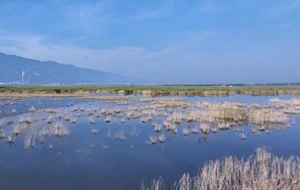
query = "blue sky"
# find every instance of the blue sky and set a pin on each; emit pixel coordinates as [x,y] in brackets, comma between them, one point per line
[169,41]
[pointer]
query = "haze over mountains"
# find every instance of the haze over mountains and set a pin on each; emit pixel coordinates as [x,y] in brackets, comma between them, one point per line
[19,70]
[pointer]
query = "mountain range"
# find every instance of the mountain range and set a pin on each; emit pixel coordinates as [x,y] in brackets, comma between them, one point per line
[18,70]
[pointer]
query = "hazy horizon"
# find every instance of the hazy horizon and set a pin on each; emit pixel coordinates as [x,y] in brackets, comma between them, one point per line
[204,41]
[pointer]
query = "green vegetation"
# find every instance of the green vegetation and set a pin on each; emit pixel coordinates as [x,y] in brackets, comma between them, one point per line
[157,90]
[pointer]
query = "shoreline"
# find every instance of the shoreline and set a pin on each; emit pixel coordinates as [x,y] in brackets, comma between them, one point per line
[37,92]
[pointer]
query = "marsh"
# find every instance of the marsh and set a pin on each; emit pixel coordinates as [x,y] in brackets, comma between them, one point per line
[146,138]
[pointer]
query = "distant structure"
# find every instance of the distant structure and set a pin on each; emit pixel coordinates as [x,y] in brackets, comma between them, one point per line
[23,73]
[22,79]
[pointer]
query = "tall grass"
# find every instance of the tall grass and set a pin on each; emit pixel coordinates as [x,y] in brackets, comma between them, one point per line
[262,171]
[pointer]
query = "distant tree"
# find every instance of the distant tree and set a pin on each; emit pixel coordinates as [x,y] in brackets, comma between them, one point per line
[57,91]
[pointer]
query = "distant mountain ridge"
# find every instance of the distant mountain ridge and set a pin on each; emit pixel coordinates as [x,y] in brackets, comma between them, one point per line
[16,69]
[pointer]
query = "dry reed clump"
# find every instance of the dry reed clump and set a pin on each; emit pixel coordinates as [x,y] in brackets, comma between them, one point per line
[92,120]
[52,110]
[263,171]
[227,115]
[50,119]
[289,106]
[108,119]
[21,128]
[31,109]
[279,102]
[26,120]
[152,140]
[168,103]
[157,127]
[95,131]
[205,128]
[10,139]
[228,112]
[14,111]
[161,138]
[186,131]
[263,116]
[120,100]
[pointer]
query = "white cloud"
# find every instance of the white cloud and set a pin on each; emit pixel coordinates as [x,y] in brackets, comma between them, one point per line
[36,47]
[129,61]
[201,58]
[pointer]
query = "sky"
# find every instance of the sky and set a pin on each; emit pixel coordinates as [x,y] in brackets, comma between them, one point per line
[162,41]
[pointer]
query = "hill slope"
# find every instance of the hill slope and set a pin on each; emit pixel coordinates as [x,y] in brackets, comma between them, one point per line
[48,72]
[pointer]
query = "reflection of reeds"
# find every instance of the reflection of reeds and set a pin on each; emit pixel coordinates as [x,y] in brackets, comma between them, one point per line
[134,132]
[2,134]
[60,130]
[263,171]
[29,142]
[120,135]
